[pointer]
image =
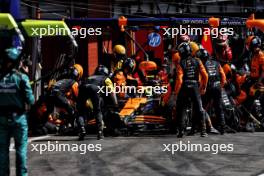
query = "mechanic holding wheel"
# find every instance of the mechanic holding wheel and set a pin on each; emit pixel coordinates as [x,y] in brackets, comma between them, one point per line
[187,86]
[63,90]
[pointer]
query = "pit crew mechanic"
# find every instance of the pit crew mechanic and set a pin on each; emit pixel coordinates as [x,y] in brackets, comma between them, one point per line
[90,99]
[63,90]
[119,56]
[257,60]
[187,86]
[216,80]
[15,91]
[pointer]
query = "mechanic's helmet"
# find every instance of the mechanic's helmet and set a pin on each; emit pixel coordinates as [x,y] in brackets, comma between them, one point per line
[77,71]
[101,70]
[202,54]
[9,56]
[248,41]
[195,48]
[13,53]
[184,38]
[119,51]
[184,50]
[222,40]
[255,43]
[129,64]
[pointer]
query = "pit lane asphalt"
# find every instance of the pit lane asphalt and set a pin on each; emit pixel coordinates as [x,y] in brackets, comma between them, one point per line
[143,155]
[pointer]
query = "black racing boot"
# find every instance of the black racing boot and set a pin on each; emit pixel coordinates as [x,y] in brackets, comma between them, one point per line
[82,134]
[180,134]
[222,129]
[228,129]
[204,134]
[100,135]
[212,130]
[192,132]
[203,131]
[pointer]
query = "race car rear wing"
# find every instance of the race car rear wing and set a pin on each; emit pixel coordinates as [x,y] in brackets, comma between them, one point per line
[47,28]
[7,23]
